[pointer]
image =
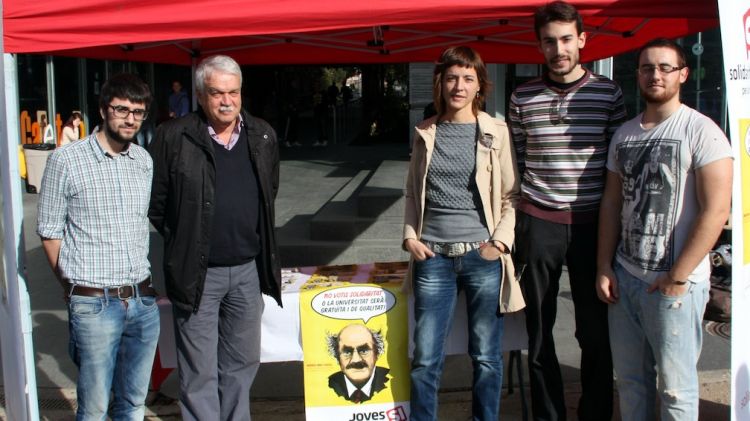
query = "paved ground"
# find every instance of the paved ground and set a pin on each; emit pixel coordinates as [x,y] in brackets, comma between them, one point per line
[454,405]
[310,177]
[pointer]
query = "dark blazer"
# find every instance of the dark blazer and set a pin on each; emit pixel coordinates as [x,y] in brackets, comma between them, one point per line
[338,384]
[182,197]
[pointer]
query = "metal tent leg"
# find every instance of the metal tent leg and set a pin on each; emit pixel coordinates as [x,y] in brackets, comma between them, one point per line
[515,356]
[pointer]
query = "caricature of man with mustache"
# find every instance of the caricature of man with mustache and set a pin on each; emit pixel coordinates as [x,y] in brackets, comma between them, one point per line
[357,349]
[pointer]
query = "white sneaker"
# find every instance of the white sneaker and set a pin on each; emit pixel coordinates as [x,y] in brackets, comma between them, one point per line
[287,144]
[316,143]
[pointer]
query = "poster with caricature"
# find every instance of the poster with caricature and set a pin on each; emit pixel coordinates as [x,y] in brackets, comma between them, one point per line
[355,345]
[734,16]
[745,171]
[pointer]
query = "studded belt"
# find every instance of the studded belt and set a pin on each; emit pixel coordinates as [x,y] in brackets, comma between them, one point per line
[453,249]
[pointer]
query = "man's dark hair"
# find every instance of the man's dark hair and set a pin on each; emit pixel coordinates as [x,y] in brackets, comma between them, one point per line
[557,11]
[665,43]
[378,341]
[124,86]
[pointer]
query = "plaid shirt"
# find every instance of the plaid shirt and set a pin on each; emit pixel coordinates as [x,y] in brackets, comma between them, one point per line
[97,204]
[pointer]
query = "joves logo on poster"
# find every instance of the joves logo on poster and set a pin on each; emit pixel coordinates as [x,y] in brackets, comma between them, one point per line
[396,414]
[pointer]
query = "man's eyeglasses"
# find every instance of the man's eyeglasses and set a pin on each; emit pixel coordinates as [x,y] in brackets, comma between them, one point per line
[120,111]
[647,69]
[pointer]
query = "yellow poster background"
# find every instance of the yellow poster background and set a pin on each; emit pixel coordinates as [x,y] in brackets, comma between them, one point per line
[318,325]
[745,169]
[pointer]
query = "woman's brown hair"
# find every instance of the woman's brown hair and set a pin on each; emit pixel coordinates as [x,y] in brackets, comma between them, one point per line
[72,117]
[464,57]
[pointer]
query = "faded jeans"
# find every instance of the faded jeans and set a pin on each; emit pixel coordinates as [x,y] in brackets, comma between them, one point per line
[437,282]
[112,342]
[654,336]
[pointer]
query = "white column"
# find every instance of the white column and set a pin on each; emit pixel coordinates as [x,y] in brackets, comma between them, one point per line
[19,379]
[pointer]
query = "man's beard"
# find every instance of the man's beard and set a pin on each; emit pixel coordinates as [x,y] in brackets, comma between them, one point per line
[116,136]
[658,98]
[573,62]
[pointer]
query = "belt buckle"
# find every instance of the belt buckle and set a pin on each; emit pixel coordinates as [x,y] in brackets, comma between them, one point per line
[119,293]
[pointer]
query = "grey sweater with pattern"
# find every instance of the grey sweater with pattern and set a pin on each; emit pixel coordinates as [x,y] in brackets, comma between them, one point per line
[453,206]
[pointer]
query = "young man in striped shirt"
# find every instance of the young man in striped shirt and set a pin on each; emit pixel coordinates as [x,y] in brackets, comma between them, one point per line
[561,125]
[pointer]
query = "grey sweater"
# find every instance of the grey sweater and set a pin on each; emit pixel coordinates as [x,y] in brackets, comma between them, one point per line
[452,209]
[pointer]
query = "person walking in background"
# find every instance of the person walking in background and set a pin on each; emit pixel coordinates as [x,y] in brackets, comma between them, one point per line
[346,93]
[70,131]
[346,97]
[48,133]
[179,104]
[216,176]
[670,168]
[561,125]
[458,228]
[320,115]
[333,94]
[291,124]
[93,222]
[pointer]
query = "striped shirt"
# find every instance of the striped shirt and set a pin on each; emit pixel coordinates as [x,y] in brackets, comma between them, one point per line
[97,204]
[561,139]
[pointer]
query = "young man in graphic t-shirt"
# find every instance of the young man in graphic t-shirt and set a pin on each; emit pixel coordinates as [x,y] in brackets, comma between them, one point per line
[666,200]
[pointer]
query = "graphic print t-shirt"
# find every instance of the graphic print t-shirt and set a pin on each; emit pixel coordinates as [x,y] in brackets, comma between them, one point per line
[657,167]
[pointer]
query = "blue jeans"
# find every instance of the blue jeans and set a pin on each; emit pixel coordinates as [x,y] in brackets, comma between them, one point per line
[436,285]
[653,335]
[112,342]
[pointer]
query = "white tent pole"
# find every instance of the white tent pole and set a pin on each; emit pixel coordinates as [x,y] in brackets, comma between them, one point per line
[51,98]
[19,378]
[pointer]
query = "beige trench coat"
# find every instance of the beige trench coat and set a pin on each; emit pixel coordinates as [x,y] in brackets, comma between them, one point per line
[498,184]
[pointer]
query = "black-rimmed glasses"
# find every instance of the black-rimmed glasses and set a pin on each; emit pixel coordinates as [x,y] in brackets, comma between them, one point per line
[663,68]
[121,111]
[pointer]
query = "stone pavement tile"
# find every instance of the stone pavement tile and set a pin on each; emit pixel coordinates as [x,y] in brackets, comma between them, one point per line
[455,405]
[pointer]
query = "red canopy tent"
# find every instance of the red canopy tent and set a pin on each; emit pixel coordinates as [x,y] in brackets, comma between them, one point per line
[329,31]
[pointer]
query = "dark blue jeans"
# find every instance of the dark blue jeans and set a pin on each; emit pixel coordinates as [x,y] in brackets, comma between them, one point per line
[437,282]
[113,342]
